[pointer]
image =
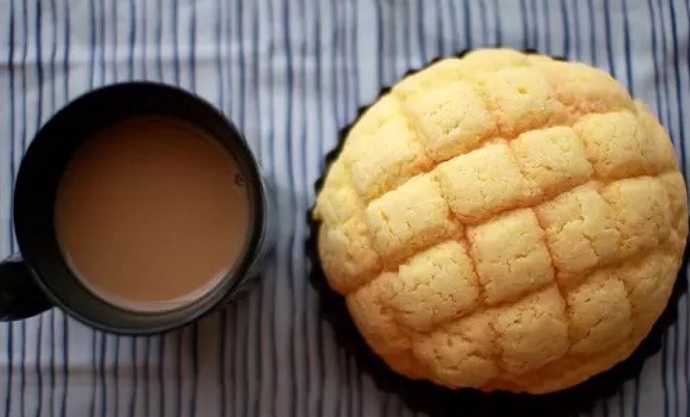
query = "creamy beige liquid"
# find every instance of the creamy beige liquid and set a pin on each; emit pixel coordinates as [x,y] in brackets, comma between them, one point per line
[151,213]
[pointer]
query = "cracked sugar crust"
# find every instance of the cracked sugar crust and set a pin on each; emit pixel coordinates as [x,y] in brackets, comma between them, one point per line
[504,221]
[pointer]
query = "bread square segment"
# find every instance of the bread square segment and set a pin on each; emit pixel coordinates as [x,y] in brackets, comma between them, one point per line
[347,255]
[521,99]
[616,144]
[452,119]
[435,286]
[339,201]
[461,353]
[580,229]
[373,118]
[642,213]
[581,88]
[483,182]
[532,332]
[658,149]
[599,313]
[510,255]
[386,158]
[553,159]
[648,282]
[409,218]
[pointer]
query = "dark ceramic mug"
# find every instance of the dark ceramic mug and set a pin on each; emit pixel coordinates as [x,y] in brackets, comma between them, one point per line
[39,278]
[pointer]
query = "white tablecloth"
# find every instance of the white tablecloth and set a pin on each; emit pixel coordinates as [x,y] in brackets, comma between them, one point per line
[290,73]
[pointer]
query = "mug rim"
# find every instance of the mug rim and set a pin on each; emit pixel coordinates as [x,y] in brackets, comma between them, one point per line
[141,323]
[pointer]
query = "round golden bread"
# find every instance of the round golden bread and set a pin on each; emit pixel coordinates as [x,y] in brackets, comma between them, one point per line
[504,221]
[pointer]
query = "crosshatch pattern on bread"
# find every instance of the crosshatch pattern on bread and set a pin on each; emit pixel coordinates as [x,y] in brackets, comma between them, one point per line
[504,221]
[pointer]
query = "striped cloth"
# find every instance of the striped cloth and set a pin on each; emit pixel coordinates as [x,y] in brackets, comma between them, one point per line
[290,73]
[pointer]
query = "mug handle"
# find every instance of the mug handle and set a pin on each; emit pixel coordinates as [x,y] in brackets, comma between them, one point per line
[20,296]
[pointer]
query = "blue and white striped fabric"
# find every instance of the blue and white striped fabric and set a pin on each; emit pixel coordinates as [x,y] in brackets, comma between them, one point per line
[290,73]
